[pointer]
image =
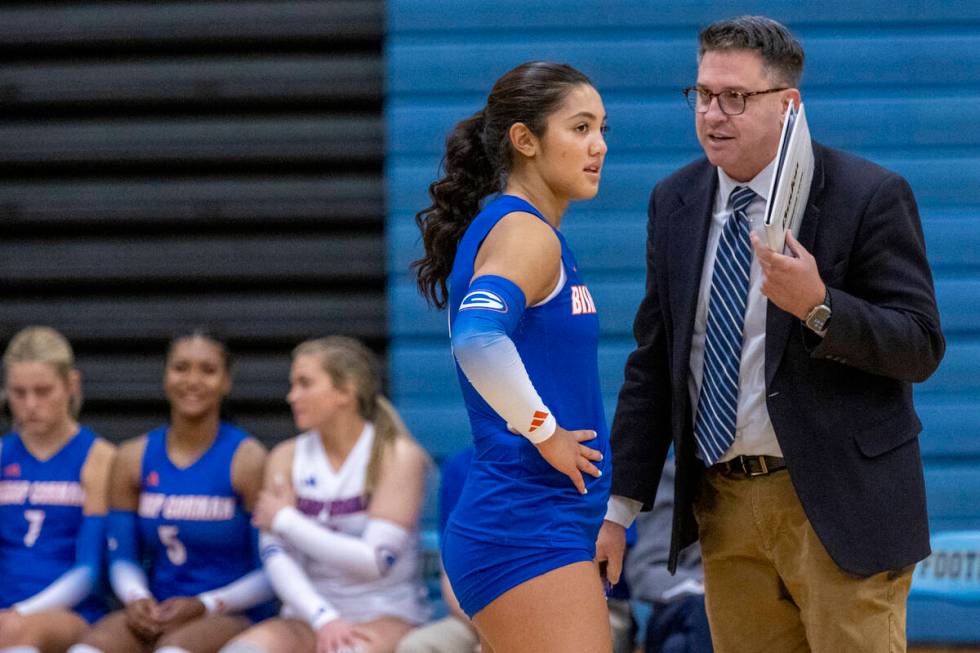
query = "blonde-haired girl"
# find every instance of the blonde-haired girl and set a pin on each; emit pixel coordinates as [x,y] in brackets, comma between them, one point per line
[339,511]
[53,498]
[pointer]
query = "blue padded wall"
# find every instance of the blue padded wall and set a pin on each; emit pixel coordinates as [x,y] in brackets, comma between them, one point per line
[897,82]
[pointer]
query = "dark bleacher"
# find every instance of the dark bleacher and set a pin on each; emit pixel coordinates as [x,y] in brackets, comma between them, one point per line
[894,82]
[173,164]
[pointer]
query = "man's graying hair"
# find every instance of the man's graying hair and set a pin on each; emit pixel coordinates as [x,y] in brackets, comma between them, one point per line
[781,53]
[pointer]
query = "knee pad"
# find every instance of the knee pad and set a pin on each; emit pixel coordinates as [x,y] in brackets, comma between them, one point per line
[20,649]
[83,648]
[171,649]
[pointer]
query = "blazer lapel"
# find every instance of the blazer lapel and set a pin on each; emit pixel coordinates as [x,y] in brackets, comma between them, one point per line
[688,237]
[779,323]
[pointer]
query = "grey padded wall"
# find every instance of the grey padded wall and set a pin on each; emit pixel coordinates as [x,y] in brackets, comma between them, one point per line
[167,165]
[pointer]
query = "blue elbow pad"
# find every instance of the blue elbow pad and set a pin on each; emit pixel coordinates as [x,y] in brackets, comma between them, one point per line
[90,544]
[492,305]
[121,536]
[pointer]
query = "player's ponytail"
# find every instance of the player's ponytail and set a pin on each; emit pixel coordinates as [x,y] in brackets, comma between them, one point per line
[478,158]
[388,427]
[469,176]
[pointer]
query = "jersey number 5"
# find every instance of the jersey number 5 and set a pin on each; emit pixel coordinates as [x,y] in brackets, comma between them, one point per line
[35,518]
[176,552]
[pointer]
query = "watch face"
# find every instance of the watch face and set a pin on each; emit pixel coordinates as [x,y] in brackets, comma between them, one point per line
[818,318]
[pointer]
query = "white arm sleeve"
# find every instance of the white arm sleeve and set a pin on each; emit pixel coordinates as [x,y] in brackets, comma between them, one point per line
[292,585]
[487,315]
[73,586]
[246,592]
[128,581]
[369,557]
[491,363]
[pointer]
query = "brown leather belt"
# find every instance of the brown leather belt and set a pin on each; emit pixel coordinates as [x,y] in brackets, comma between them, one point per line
[749,466]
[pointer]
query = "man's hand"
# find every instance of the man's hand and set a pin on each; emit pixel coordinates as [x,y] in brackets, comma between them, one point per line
[790,282]
[610,546]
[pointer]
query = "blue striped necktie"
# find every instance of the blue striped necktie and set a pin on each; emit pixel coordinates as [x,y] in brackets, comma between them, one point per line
[714,426]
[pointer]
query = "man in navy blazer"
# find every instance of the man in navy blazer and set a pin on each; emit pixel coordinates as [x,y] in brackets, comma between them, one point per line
[798,463]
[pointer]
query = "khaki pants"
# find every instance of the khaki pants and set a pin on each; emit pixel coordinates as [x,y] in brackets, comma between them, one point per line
[770,585]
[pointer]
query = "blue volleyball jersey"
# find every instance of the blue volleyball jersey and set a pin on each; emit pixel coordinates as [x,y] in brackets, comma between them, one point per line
[193,530]
[512,495]
[40,516]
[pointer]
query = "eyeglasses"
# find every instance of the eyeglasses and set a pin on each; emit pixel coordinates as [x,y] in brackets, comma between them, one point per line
[731,103]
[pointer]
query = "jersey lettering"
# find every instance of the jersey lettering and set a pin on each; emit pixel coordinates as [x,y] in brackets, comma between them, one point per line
[582,303]
[154,505]
[333,508]
[14,492]
[50,493]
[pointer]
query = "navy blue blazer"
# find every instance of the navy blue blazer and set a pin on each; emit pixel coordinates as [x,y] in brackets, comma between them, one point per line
[841,407]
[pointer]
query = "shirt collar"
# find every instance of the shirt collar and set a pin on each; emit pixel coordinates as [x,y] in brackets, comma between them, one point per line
[759,184]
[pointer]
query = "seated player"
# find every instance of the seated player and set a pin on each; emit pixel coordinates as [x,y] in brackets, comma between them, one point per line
[339,513]
[53,476]
[180,499]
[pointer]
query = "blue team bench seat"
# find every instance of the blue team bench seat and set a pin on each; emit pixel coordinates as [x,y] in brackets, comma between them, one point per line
[944,605]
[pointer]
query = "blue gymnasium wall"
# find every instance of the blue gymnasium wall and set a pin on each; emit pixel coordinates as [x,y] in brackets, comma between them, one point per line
[897,82]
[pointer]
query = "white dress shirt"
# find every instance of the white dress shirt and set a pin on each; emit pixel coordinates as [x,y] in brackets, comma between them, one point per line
[754,434]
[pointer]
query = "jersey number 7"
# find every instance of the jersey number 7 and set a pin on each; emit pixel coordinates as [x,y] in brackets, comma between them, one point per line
[35,518]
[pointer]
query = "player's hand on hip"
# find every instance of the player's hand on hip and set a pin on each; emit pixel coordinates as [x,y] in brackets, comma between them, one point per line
[610,546]
[564,451]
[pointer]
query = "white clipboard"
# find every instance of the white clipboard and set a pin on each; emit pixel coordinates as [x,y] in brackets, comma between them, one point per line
[790,186]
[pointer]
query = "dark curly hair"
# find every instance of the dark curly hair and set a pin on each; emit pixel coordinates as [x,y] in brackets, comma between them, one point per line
[478,158]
